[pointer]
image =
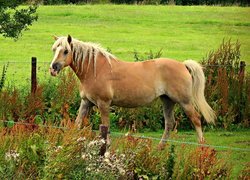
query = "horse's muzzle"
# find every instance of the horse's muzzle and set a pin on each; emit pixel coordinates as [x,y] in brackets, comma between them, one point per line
[55,69]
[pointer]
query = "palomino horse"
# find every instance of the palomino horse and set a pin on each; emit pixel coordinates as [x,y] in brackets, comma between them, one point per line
[106,81]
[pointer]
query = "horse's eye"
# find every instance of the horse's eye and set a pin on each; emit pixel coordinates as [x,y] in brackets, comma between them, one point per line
[65,52]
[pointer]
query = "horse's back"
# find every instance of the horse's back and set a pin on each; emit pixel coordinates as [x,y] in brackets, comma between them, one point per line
[138,83]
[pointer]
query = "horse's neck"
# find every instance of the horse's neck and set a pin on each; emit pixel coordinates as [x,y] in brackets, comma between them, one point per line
[79,68]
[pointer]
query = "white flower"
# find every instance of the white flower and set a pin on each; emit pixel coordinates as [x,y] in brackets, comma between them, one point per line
[12,154]
[90,156]
[107,154]
[92,143]
[88,169]
[81,139]
[58,148]
[83,156]
[102,141]
[107,161]
[121,171]
[123,155]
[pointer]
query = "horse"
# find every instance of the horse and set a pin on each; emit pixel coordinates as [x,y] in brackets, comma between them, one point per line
[105,81]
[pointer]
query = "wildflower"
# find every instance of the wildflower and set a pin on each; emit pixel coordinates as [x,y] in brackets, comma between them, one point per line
[121,171]
[107,161]
[102,141]
[88,169]
[58,148]
[80,139]
[107,154]
[92,143]
[84,156]
[12,154]
[122,155]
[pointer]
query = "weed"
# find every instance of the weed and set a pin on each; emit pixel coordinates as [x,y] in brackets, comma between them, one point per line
[227,84]
[3,78]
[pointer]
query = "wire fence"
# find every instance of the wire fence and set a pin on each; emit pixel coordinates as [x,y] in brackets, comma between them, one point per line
[119,134]
[19,73]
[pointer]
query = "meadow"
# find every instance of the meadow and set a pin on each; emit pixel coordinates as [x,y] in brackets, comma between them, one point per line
[187,32]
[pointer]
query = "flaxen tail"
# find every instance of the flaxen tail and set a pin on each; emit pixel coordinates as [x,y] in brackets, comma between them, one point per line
[198,88]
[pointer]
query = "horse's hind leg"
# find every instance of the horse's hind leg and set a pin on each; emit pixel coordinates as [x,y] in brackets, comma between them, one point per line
[168,106]
[194,116]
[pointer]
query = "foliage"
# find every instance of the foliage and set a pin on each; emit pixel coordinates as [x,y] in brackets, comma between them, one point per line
[51,2]
[168,167]
[150,55]
[14,20]
[53,103]
[3,78]
[202,163]
[245,173]
[48,153]
[212,2]
[227,87]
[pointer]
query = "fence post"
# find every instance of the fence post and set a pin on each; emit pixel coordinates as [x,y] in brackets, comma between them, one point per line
[33,75]
[104,134]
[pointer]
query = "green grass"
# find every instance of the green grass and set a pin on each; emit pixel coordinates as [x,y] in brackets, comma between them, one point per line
[183,32]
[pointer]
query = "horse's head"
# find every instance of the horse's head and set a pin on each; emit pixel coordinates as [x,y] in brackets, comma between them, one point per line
[62,54]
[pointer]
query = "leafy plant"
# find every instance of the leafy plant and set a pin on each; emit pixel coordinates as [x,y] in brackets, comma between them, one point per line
[3,78]
[227,84]
[202,163]
[149,55]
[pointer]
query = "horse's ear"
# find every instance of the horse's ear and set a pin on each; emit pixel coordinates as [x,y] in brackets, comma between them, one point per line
[55,37]
[69,39]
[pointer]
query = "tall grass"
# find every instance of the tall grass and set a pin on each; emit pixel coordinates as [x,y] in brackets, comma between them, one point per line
[74,154]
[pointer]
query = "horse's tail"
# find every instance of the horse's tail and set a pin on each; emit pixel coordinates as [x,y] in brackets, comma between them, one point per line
[198,88]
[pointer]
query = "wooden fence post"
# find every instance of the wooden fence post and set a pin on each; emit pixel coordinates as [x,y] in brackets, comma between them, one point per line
[104,135]
[33,75]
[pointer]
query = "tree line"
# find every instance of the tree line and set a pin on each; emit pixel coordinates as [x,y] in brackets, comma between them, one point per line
[164,2]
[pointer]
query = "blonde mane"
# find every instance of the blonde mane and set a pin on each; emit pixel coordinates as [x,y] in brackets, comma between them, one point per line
[82,50]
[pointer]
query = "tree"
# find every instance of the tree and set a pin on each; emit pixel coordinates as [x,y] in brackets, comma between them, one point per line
[13,19]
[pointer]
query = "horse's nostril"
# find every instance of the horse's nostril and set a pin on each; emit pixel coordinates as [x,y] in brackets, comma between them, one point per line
[56,66]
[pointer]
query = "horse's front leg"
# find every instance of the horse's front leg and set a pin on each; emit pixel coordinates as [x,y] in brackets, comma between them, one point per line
[104,110]
[83,113]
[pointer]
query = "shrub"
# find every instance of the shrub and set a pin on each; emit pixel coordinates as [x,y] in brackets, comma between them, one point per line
[55,102]
[227,87]
[201,163]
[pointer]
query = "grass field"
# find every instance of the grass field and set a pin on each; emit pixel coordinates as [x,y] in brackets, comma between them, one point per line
[182,32]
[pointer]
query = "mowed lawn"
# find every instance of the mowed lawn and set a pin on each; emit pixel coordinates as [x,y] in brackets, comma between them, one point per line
[181,32]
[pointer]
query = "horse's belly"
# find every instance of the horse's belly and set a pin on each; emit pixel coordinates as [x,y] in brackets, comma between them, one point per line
[133,98]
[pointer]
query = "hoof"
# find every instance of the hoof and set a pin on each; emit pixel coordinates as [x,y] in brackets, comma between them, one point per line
[161,146]
[202,140]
